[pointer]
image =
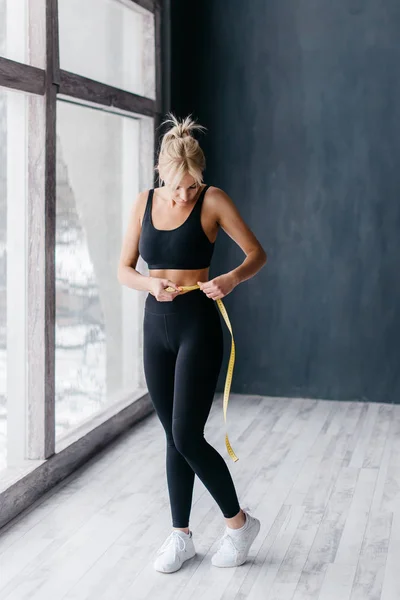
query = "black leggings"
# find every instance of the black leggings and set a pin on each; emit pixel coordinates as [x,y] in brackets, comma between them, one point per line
[182,353]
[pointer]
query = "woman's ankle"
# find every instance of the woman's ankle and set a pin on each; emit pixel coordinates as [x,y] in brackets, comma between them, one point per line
[184,529]
[238,521]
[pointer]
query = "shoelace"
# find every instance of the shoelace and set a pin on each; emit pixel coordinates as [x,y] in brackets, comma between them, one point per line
[226,538]
[175,540]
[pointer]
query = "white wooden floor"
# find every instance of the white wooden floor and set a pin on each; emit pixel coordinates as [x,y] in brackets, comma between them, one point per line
[322,476]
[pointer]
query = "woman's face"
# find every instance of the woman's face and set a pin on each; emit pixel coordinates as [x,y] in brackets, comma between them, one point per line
[185,192]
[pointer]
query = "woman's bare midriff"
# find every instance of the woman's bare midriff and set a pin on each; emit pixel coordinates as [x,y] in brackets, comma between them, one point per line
[181,277]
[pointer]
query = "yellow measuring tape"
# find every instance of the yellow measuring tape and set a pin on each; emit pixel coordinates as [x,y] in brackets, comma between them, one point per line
[228,380]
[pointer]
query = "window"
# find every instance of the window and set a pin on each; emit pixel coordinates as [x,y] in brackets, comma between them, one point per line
[13,187]
[18,38]
[110,41]
[76,145]
[97,341]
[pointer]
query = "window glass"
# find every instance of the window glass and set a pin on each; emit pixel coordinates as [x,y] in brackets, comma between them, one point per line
[13,106]
[21,25]
[109,41]
[98,356]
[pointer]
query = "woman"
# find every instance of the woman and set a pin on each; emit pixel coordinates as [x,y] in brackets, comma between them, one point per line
[174,229]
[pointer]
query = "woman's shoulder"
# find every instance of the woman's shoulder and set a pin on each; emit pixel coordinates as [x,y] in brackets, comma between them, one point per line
[215,194]
[213,190]
[140,204]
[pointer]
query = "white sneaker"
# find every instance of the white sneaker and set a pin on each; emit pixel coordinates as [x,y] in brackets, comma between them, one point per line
[235,544]
[177,548]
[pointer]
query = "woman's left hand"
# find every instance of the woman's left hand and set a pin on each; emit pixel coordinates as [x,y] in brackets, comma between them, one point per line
[218,287]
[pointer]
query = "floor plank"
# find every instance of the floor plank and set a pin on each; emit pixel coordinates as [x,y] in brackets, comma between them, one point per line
[322,476]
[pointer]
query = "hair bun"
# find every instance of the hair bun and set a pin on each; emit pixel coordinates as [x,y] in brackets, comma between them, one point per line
[178,131]
[181,128]
[180,151]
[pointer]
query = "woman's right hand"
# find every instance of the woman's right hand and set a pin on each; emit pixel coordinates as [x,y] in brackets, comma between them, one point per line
[157,289]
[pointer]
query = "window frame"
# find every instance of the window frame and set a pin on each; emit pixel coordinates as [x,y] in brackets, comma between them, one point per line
[37,442]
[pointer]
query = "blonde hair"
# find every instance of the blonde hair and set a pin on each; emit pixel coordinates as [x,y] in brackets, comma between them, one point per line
[180,153]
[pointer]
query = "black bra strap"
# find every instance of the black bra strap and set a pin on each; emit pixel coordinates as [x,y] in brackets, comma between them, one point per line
[148,204]
[203,193]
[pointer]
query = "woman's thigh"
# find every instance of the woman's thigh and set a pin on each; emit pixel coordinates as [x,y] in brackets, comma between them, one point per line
[197,368]
[159,368]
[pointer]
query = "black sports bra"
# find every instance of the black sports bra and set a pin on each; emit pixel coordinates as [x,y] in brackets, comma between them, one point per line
[185,247]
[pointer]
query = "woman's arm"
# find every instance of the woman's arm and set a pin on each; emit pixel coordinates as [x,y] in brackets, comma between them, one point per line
[233,224]
[229,218]
[253,262]
[127,273]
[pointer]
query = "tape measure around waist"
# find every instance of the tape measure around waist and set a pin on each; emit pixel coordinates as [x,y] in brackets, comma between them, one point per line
[228,380]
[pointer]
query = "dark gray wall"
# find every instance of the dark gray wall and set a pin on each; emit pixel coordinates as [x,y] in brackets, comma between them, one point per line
[302,104]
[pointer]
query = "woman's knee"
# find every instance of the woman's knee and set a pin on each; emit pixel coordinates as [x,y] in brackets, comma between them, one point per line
[186,440]
[169,437]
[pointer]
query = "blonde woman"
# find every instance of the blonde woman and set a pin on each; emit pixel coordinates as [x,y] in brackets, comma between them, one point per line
[174,228]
